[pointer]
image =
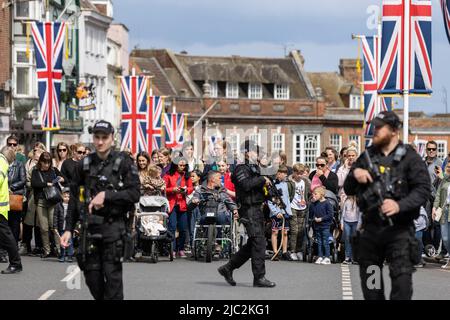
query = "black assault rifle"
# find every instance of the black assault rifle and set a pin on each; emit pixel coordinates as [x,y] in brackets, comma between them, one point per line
[375,190]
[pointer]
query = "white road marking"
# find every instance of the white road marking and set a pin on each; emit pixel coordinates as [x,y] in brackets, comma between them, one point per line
[71,275]
[47,295]
[347,293]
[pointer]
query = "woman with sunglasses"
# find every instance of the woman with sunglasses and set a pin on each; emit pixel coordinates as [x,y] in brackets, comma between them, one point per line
[178,187]
[68,167]
[62,153]
[45,175]
[323,176]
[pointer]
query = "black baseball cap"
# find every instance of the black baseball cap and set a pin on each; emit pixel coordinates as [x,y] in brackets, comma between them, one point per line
[103,127]
[387,117]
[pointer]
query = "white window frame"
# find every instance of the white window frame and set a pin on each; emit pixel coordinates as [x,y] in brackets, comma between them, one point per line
[442,144]
[281,92]
[255,91]
[355,101]
[31,73]
[278,144]
[357,138]
[33,14]
[232,90]
[338,145]
[233,140]
[214,89]
[300,156]
[255,137]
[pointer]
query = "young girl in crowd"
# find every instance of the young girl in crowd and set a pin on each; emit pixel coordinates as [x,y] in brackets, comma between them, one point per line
[155,185]
[321,212]
[351,218]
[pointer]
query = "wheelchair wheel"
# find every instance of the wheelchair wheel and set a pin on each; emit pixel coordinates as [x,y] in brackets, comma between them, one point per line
[171,251]
[210,243]
[154,252]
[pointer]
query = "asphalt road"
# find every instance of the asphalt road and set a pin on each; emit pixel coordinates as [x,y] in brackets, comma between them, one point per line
[187,279]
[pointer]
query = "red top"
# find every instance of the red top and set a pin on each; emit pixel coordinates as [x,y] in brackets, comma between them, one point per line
[226,182]
[177,180]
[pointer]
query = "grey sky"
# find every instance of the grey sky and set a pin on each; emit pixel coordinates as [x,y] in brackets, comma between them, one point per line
[321,29]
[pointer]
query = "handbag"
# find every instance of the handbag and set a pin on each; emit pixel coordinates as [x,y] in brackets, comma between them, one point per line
[51,194]
[15,202]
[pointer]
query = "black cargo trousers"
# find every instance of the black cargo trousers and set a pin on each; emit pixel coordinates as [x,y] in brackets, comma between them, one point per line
[103,265]
[399,247]
[253,219]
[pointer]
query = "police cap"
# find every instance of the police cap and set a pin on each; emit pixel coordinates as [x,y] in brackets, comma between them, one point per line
[103,127]
[387,117]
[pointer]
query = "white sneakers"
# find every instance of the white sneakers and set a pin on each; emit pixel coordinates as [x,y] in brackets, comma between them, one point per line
[294,256]
[321,260]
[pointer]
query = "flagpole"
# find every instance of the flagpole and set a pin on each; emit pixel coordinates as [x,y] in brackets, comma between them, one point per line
[406,71]
[48,132]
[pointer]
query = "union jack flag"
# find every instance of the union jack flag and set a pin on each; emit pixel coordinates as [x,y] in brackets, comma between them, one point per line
[48,38]
[155,123]
[134,113]
[373,102]
[396,44]
[174,127]
[445,4]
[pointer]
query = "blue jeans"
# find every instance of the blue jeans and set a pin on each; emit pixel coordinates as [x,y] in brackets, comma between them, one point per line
[445,231]
[419,236]
[349,231]
[322,238]
[66,251]
[178,219]
[193,216]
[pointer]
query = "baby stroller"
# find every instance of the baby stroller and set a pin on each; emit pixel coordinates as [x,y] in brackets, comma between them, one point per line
[310,243]
[153,236]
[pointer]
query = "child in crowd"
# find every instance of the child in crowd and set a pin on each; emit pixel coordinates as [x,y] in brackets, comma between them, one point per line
[154,185]
[59,224]
[280,211]
[351,218]
[321,212]
[421,224]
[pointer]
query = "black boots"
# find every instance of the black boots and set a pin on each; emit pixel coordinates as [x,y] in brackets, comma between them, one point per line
[263,283]
[227,273]
[12,269]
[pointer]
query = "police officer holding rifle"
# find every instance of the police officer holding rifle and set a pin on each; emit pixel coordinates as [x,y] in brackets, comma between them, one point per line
[391,183]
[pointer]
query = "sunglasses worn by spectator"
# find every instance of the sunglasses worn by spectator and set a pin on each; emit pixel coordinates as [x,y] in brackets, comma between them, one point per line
[81,152]
[62,150]
[431,149]
[12,144]
[320,165]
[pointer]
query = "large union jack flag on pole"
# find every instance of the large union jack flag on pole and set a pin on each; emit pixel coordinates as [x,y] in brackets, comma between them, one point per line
[445,4]
[154,125]
[373,102]
[406,47]
[48,38]
[134,113]
[174,128]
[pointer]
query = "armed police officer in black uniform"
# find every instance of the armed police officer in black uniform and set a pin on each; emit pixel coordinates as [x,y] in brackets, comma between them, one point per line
[250,196]
[108,183]
[391,184]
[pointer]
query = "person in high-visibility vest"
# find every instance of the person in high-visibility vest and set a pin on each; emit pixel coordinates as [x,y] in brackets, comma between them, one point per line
[7,240]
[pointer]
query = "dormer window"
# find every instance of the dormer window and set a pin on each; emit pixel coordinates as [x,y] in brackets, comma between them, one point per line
[214,89]
[232,90]
[281,92]
[255,91]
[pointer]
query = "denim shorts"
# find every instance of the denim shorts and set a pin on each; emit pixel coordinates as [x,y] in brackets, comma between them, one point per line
[277,224]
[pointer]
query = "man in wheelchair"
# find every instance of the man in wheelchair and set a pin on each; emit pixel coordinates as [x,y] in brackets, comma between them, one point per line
[212,198]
